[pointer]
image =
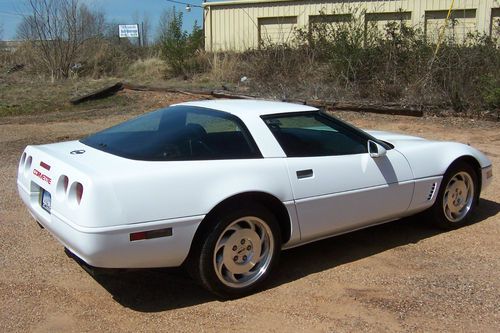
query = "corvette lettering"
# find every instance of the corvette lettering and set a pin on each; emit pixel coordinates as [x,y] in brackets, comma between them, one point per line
[43,177]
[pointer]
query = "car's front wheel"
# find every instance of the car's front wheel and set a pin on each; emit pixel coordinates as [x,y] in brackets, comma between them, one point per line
[238,251]
[457,197]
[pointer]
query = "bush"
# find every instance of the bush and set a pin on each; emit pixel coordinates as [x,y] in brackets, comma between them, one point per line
[179,49]
[350,61]
[147,70]
[491,91]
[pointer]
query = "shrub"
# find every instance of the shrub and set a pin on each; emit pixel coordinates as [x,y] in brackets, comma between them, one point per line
[349,60]
[147,70]
[179,48]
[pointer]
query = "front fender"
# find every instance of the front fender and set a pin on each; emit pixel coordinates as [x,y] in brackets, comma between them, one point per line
[433,158]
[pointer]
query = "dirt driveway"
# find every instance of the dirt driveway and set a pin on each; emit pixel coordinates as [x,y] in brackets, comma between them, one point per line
[402,276]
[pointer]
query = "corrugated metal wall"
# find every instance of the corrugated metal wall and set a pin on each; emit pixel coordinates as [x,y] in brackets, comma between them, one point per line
[240,25]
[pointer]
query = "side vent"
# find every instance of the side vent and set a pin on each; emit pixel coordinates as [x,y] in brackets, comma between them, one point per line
[432,191]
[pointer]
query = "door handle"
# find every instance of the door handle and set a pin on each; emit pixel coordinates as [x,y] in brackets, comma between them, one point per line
[307,173]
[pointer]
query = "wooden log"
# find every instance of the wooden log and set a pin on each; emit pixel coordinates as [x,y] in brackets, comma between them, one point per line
[15,68]
[98,94]
[393,109]
[226,94]
[136,87]
[380,109]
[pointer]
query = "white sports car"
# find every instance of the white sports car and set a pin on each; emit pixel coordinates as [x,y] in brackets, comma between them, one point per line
[223,186]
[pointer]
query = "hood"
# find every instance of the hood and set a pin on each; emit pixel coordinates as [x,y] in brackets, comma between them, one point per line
[393,138]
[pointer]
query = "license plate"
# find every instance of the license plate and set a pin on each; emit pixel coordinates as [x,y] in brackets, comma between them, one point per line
[46,200]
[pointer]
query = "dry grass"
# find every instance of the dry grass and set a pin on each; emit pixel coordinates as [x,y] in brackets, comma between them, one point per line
[22,95]
[147,70]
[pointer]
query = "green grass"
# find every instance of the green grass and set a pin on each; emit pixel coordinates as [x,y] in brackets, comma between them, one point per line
[27,96]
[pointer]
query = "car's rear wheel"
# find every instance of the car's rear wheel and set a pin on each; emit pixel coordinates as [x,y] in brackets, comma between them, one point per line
[457,197]
[237,253]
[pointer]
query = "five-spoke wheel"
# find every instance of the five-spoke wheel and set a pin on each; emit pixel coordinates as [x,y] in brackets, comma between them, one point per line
[457,196]
[237,251]
[243,252]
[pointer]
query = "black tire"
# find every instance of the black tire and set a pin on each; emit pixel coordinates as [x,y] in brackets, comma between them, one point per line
[203,260]
[443,217]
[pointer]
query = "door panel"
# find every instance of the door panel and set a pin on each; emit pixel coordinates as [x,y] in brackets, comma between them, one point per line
[348,192]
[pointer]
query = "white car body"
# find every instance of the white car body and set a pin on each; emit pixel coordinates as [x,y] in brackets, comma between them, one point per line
[123,196]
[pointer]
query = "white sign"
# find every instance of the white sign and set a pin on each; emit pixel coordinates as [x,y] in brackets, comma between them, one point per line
[128,30]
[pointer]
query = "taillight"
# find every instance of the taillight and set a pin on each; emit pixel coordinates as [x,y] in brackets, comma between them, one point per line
[75,193]
[23,159]
[27,165]
[62,186]
[79,192]
[21,163]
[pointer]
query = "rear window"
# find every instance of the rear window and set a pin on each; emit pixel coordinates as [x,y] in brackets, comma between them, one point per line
[178,133]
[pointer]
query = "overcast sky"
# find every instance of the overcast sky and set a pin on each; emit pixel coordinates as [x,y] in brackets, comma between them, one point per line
[121,11]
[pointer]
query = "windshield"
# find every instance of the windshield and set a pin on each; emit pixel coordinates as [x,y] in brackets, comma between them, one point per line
[178,133]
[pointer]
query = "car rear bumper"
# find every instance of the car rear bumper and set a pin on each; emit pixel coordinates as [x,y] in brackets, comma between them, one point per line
[111,247]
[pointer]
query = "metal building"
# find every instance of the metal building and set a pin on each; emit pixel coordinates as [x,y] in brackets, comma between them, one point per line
[242,24]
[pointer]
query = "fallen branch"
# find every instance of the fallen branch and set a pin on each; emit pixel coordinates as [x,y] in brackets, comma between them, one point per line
[381,109]
[98,94]
[15,68]
[225,94]
[136,87]
[359,107]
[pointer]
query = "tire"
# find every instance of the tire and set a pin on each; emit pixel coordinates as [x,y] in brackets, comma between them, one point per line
[237,252]
[457,197]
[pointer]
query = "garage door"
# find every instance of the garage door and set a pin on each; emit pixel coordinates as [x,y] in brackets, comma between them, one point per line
[460,24]
[276,30]
[381,20]
[495,23]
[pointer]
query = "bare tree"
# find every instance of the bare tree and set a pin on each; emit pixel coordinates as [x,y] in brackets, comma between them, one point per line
[146,29]
[1,37]
[144,23]
[57,30]
[166,18]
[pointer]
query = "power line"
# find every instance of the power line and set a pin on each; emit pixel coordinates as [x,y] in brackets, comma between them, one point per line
[185,3]
[12,14]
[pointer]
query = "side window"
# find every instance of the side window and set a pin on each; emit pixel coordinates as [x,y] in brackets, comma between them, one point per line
[314,134]
[216,135]
[212,124]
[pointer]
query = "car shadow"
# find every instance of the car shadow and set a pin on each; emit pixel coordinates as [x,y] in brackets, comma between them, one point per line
[154,290]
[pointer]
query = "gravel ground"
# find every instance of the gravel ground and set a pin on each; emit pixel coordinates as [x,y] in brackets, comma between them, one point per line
[403,276]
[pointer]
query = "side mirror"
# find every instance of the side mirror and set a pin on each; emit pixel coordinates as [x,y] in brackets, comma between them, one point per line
[375,149]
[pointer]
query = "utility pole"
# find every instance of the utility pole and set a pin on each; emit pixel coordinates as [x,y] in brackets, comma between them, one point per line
[142,33]
[139,34]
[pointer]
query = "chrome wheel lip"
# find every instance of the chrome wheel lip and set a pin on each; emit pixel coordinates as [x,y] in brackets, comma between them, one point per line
[238,264]
[458,197]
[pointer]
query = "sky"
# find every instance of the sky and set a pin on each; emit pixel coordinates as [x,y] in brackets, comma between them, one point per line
[120,11]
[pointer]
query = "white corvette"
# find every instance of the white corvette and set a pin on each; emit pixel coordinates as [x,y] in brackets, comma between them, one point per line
[222,186]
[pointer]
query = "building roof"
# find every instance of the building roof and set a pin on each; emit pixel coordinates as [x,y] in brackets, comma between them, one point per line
[241,2]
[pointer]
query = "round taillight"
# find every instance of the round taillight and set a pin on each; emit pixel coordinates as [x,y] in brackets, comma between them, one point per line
[62,186]
[23,160]
[79,192]
[27,165]
[75,193]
